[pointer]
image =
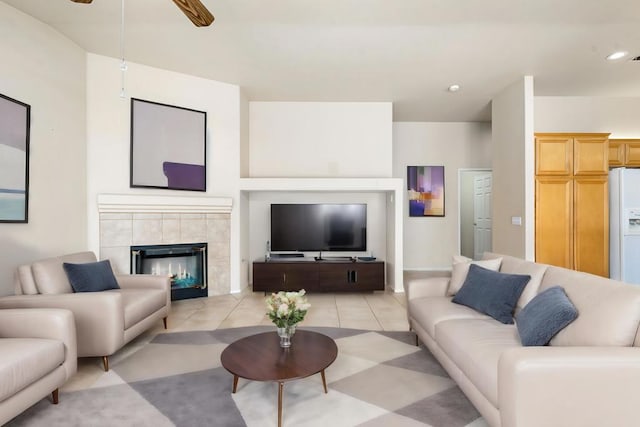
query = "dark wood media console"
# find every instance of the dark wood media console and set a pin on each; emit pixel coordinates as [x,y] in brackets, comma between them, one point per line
[318,276]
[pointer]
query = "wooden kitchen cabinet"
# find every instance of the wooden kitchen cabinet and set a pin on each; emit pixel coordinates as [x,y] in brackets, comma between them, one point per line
[572,201]
[624,153]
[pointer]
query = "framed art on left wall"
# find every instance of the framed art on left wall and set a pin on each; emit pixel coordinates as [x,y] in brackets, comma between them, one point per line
[15,119]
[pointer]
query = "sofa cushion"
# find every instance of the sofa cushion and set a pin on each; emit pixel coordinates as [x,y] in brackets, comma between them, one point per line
[609,310]
[49,274]
[24,361]
[513,265]
[491,292]
[140,303]
[429,311]
[546,315]
[475,346]
[460,268]
[91,276]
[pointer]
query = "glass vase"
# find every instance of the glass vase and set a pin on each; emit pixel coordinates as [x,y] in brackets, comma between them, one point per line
[285,335]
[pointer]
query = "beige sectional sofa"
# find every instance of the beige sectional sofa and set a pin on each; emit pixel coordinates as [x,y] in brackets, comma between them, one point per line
[37,355]
[105,321]
[588,375]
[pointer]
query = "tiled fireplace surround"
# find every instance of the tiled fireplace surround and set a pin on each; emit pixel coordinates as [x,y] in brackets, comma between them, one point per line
[127,220]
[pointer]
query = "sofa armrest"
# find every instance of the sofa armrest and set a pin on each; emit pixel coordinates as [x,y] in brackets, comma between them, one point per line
[99,317]
[429,287]
[131,281]
[49,323]
[569,386]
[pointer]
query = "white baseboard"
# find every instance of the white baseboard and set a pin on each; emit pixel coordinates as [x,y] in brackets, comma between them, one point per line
[448,268]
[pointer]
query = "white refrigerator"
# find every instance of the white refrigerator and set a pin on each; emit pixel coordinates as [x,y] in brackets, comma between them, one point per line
[624,225]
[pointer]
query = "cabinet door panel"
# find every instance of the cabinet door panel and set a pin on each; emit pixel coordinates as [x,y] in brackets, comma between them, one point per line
[592,225]
[632,153]
[335,276]
[590,156]
[370,276]
[554,155]
[267,277]
[554,221]
[616,153]
[300,275]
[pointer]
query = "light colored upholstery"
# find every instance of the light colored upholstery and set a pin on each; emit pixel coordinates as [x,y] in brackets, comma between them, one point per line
[475,346]
[601,303]
[37,355]
[105,321]
[49,275]
[26,360]
[430,311]
[588,376]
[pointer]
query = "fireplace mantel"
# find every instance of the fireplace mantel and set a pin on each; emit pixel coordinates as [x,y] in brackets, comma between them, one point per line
[162,204]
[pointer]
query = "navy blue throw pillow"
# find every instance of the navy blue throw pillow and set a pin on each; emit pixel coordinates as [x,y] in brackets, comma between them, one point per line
[545,315]
[492,293]
[91,276]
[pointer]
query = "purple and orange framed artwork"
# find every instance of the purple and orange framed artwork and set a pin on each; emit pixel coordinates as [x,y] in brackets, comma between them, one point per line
[425,186]
[15,119]
[168,146]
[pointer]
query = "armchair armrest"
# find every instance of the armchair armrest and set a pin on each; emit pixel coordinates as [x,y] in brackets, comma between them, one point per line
[99,317]
[429,287]
[130,281]
[47,323]
[569,386]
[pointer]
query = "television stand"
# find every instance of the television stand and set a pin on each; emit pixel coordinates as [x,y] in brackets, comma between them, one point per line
[325,275]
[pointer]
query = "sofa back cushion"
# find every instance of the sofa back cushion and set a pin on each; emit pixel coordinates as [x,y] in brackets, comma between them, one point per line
[608,310]
[49,274]
[25,283]
[513,265]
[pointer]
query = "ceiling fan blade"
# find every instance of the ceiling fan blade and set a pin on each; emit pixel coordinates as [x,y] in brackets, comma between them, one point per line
[82,1]
[195,11]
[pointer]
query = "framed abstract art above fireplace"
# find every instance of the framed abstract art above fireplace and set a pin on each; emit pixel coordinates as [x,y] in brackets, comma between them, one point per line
[15,119]
[168,146]
[425,186]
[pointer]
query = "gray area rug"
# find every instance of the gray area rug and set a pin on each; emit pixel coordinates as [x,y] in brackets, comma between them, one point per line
[378,379]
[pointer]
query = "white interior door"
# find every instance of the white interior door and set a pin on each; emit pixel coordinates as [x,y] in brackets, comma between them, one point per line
[482,214]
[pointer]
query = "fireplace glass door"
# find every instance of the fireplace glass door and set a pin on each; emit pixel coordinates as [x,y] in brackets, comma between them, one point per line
[184,264]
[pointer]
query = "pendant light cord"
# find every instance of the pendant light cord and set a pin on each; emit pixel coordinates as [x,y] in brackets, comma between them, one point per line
[123,64]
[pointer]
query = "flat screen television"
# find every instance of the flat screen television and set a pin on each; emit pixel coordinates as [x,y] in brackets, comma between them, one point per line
[319,227]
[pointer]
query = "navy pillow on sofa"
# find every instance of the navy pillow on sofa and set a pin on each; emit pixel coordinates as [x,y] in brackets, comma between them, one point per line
[545,315]
[492,293]
[91,276]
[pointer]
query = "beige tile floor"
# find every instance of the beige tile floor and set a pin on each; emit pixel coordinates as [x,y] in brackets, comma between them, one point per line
[373,311]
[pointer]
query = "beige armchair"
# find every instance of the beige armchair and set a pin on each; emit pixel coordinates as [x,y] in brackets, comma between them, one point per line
[37,355]
[105,321]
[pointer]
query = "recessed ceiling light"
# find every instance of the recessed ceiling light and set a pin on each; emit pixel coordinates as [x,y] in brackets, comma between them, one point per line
[453,88]
[616,55]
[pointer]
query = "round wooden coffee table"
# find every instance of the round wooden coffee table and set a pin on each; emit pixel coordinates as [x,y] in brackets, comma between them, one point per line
[260,358]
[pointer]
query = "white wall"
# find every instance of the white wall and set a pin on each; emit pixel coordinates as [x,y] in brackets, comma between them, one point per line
[260,214]
[513,174]
[46,70]
[108,136]
[320,139]
[430,242]
[619,116]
